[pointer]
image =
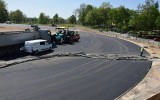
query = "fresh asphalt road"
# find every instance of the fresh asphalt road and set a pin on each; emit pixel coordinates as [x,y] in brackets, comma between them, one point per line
[70,79]
[75,78]
[99,44]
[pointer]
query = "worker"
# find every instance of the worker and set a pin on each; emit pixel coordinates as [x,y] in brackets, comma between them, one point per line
[142,50]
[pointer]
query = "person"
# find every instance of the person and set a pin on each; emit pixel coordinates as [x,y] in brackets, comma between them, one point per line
[142,50]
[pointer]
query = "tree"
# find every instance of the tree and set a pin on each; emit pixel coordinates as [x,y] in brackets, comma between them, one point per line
[103,17]
[17,16]
[148,4]
[106,5]
[157,5]
[144,19]
[147,17]
[158,22]
[88,8]
[120,17]
[3,12]
[82,14]
[92,17]
[72,19]
[43,19]
[61,20]
[113,15]
[32,20]
[55,19]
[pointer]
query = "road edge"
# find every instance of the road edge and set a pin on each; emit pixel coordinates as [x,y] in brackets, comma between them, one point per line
[146,83]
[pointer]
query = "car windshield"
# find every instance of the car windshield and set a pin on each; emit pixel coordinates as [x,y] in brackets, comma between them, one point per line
[79,49]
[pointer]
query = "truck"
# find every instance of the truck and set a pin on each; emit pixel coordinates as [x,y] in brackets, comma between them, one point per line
[36,46]
[11,42]
[64,35]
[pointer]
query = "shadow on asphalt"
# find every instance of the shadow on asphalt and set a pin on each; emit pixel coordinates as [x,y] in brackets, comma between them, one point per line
[23,55]
[19,55]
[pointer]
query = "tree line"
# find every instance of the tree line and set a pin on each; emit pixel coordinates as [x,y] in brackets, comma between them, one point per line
[122,19]
[145,18]
[19,17]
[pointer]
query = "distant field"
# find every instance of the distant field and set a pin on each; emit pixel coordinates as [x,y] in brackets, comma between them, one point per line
[4,29]
[12,27]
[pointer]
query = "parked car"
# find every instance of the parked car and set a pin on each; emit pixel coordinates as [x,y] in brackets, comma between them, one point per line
[36,46]
[8,22]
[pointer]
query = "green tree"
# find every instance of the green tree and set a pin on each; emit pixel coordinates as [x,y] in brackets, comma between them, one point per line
[61,20]
[55,19]
[103,17]
[3,12]
[148,4]
[106,5]
[157,5]
[32,20]
[17,16]
[72,19]
[121,17]
[43,19]
[81,14]
[88,8]
[158,22]
[92,17]
[113,15]
[147,18]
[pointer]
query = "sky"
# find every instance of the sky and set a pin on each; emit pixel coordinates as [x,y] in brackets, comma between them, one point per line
[64,8]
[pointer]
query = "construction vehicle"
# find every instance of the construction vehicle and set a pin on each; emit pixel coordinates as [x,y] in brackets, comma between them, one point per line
[64,35]
[11,42]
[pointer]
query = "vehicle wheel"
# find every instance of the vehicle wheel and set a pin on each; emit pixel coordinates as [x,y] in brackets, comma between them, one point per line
[77,40]
[50,49]
[71,42]
[61,41]
[36,52]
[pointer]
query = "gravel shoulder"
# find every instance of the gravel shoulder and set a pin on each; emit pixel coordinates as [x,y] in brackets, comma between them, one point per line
[11,27]
[149,85]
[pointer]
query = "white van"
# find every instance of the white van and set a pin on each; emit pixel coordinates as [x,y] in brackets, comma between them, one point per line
[35,46]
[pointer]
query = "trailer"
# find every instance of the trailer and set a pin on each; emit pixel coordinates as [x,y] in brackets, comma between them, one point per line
[11,42]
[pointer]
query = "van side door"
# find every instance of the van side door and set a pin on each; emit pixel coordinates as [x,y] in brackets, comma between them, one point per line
[42,46]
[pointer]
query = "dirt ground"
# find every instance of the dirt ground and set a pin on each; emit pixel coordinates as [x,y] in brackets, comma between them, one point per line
[10,28]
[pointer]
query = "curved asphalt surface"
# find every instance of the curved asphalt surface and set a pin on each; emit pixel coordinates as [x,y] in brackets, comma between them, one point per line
[94,43]
[75,78]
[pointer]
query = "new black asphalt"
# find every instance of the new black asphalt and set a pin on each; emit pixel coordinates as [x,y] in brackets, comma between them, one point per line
[76,78]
